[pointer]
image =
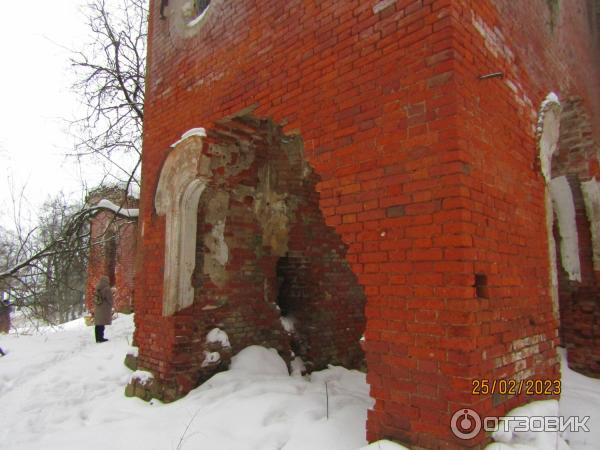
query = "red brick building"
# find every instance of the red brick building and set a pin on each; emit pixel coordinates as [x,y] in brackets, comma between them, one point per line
[390,157]
[113,243]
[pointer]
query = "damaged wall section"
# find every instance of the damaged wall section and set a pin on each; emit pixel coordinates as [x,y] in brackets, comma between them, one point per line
[268,270]
[113,244]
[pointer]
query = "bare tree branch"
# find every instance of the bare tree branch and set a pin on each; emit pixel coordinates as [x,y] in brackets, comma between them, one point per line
[111,73]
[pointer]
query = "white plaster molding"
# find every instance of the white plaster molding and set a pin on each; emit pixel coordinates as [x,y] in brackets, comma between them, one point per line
[548,132]
[179,188]
[591,198]
[562,200]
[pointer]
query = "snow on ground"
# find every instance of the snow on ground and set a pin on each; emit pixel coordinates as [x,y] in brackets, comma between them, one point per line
[61,390]
[580,398]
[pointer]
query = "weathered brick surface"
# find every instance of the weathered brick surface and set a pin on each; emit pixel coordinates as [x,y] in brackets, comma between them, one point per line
[113,244]
[428,175]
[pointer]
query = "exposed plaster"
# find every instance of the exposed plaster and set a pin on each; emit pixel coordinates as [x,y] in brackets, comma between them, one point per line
[177,195]
[591,198]
[562,200]
[547,133]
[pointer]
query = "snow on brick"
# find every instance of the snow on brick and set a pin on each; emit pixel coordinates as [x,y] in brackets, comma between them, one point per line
[217,335]
[141,377]
[211,358]
[133,351]
[564,208]
[288,324]
[201,132]
[591,198]
[107,204]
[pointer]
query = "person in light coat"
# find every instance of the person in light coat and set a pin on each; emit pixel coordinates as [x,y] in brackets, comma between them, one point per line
[103,303]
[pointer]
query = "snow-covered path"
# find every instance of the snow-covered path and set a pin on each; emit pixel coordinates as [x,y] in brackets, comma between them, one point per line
[61,390]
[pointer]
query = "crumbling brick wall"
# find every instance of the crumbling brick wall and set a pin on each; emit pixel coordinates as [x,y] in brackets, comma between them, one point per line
[113,243]
[263,255]
[427,172]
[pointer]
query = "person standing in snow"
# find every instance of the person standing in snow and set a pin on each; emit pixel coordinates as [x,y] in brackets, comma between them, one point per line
[103,307]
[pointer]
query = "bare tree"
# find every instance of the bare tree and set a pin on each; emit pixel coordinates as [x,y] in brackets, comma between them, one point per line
[111,70]
[43,270]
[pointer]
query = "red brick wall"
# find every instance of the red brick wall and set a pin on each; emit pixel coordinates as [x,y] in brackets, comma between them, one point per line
[271,220]
[427,174]
[112,253]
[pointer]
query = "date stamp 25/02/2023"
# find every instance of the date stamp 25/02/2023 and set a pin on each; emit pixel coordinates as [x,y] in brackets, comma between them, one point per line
[516,387]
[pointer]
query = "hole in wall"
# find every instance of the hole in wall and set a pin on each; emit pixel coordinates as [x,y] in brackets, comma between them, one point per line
[481,285]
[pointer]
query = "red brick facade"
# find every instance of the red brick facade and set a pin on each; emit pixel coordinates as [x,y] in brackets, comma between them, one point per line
[425,169]
[113,244]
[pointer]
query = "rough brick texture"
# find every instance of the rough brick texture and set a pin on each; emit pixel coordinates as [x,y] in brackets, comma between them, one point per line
[113,244]
[263,254]
[426,172]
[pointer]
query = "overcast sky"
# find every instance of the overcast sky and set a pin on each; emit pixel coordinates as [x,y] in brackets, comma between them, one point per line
[36,100]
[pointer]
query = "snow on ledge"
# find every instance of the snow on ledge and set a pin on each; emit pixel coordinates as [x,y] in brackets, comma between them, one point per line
[562,199]
[591,198]
[217,335]
[133,351]
[201,132]
[107,204]
[142,377]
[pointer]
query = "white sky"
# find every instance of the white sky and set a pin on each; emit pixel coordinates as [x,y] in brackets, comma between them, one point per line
[36,100]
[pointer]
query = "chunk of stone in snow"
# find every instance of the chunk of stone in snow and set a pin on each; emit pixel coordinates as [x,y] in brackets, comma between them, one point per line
[298,367]
[142,377]
[107,204]
[288,324]
[259,360]
[210,358]
[133,351]
[217,335]
[562,201]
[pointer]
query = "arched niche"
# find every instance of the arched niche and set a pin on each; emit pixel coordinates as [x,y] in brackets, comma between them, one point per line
[182,180]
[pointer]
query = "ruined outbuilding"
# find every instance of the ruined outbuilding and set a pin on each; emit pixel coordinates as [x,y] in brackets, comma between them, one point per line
[421,171]
[113,244]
